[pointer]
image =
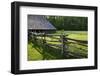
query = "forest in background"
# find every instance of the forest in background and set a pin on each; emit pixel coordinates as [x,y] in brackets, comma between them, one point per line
[69,23]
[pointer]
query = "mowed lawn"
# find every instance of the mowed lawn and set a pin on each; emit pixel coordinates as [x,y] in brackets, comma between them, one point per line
[78,35]
[38,53]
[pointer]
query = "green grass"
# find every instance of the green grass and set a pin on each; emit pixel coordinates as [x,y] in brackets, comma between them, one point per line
[79,35]
[33,54]
[37,52]
[41,52]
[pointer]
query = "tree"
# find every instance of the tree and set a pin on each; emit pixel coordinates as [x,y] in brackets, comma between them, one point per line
[69,22]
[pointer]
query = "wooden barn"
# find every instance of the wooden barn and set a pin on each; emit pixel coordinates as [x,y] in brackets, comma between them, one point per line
[39,24]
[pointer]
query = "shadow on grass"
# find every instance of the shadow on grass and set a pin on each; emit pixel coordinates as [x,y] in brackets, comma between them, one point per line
[48,52]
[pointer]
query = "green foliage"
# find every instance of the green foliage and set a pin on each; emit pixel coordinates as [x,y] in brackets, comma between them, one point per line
[69,22]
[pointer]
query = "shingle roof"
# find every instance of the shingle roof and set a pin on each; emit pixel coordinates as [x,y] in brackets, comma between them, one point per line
[38,22]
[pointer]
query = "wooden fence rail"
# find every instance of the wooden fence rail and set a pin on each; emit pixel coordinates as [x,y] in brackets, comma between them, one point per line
[81,41]
[62,39]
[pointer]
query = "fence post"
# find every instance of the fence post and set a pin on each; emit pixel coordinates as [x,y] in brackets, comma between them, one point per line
[44,45]
[33,37]
[63,45]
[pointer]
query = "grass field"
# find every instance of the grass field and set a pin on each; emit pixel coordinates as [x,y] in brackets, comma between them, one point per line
[79,35]
[42,52]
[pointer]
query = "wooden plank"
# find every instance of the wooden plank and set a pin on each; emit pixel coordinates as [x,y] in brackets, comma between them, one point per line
[81,41]
[52,40]
[74,42]
[54,44]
